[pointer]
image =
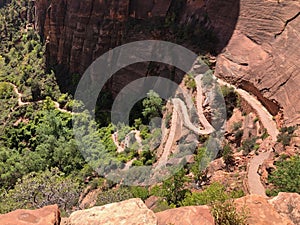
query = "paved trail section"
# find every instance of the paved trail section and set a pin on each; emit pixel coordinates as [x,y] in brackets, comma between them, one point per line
[180,112]
[254,182]
[263,114]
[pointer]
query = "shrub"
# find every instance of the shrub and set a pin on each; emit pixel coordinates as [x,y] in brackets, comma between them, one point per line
[214,192]
[122,194]
[153,105]
[5,91]
[37,190]
[248,145]
[286,178]
[168,120]
[173,189]
[228,156]
[285,135]
[230,97]
[226,214]
[145,133]
[139,192]
[137,163]
[265,134]
[112,196]
[237,126]
[190,82]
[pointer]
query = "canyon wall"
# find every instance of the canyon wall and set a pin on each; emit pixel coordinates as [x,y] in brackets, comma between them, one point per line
[256,40]
[263,55]
[80,31]
[77,32]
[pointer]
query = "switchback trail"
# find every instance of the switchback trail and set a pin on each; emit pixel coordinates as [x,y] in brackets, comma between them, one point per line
[253,178]
[180,112]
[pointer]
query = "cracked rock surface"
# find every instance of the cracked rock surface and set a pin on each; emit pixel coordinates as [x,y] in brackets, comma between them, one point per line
[264,53]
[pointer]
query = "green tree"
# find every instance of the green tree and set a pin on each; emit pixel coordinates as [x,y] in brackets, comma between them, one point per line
[286,177]
[174,190]
[285,135]
[36,190]
[153,105]
[214,192]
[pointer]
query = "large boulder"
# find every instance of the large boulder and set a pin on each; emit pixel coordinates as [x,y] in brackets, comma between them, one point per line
[287,205]
[260,211]
[196,215]
[48,215]
[129,212]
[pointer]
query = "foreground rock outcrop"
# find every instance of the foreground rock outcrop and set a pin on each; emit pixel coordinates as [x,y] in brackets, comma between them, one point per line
[287,205]
[260,211]
[283,209]
[49,215]
[129,212]
[196,215]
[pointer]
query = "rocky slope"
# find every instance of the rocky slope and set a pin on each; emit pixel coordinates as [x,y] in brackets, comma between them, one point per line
[283,209]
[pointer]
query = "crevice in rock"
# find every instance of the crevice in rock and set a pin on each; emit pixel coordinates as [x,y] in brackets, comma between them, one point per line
[286,80]
[252,39]
[286,24]
[235,61]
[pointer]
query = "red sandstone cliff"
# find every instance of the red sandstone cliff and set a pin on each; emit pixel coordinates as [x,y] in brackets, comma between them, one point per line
[264,53]
[261,56]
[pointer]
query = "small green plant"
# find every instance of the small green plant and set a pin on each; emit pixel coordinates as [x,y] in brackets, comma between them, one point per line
[285,135]
[249,145]
[111,196]
[237,125]
[153,105]
[225,213]
[287,175]
[265,134]
[190,82]
[213,193]
[168,120]
[228,156]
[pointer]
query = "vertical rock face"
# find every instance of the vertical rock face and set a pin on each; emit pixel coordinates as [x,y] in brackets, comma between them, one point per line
[263,54]
[80,31]
[77,32]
